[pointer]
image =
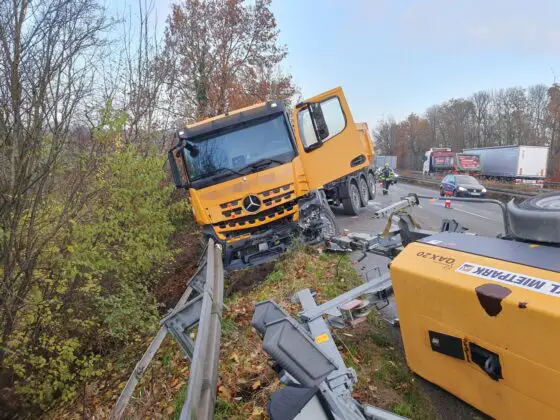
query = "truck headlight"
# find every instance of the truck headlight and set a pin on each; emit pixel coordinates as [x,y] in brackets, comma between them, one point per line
[483,189]
[462,189]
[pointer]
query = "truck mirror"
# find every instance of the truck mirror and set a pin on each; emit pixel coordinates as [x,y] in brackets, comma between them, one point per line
[175,172]
[193,150]
[319,123]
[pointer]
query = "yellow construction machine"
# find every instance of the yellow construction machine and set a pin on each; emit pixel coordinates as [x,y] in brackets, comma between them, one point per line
[479,316]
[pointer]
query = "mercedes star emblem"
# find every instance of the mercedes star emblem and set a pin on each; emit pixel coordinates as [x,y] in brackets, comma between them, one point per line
[252,203]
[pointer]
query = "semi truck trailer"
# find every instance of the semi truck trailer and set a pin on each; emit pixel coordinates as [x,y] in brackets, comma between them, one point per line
[518,164]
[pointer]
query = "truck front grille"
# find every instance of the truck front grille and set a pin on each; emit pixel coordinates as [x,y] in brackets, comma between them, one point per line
[231,228]
[268,198]
[236,235]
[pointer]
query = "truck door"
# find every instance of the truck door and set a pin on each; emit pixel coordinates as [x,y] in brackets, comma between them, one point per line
[328,141]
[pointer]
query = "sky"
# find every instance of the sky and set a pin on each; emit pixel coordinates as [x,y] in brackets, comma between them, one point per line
[395,57]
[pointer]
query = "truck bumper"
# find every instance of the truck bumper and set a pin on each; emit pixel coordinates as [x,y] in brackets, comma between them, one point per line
[260,248]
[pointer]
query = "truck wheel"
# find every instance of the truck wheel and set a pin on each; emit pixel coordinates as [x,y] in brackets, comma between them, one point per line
[330,227]
[543,202]
[535,218]
[371,185]
[351,204]
[364,191]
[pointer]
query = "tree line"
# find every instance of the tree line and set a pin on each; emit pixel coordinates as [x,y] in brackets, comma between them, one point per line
[513,116]
[88,104]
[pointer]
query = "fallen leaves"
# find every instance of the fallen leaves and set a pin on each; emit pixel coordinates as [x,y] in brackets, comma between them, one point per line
[225,393]
[257,411]
[246,379]
[176,383]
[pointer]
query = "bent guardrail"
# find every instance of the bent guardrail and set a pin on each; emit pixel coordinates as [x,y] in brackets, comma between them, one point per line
[204,311]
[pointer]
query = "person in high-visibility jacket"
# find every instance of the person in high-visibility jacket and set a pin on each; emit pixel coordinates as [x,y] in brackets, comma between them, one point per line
[386,178]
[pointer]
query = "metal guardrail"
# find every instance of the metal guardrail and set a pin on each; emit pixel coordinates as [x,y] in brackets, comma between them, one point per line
[204,311]
[547,186]
[502,206]
[203,378]
[511,193]
[551,184]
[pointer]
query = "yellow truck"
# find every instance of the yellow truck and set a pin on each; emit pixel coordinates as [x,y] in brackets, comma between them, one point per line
[256,181]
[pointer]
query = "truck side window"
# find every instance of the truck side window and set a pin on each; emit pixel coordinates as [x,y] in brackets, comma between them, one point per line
[334,118]
[306,130]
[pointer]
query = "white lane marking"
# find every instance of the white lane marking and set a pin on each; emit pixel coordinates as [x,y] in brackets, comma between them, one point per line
[465,211]
[474,214]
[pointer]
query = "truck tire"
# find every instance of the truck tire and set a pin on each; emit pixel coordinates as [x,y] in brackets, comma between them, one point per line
[372,187]
[351,204]
[364,190]
[542,202]
[536,218]
[330,226]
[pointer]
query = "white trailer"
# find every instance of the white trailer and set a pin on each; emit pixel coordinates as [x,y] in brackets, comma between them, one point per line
[519,164]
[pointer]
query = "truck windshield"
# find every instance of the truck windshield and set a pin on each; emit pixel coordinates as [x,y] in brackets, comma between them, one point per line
[262,143]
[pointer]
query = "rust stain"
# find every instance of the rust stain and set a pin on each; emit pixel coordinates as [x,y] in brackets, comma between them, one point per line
[490,297]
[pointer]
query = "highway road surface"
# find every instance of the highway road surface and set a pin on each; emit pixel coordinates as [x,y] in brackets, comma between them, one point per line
[480,218]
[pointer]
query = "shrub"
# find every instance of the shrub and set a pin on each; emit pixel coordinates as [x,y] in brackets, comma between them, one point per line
[90,292]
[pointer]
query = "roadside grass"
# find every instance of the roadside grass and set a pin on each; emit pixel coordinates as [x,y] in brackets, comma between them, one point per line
[246,379]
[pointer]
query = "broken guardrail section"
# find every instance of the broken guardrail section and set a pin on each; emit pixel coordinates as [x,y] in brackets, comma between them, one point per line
[202,313]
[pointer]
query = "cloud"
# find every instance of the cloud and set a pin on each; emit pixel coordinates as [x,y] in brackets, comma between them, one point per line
[470,26]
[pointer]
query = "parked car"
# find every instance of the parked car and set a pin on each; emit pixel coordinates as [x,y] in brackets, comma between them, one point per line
[461,186]
[395,177]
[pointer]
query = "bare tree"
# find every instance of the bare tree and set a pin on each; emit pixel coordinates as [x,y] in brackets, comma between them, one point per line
[143,76]
[456,128]
[47,64]
[481,115]
[433,117]
[537,101]
[384,136]
[554,113]
[513,116]
[217,50]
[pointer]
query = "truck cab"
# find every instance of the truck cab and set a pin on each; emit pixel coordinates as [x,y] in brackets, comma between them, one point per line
[255,181]
[437,158]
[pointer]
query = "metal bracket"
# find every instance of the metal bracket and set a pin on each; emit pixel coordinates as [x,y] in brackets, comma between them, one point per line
[198,280]
[181,322]
[383,283]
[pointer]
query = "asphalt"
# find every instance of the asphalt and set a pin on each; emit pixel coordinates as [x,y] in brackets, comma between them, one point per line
[480,218]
